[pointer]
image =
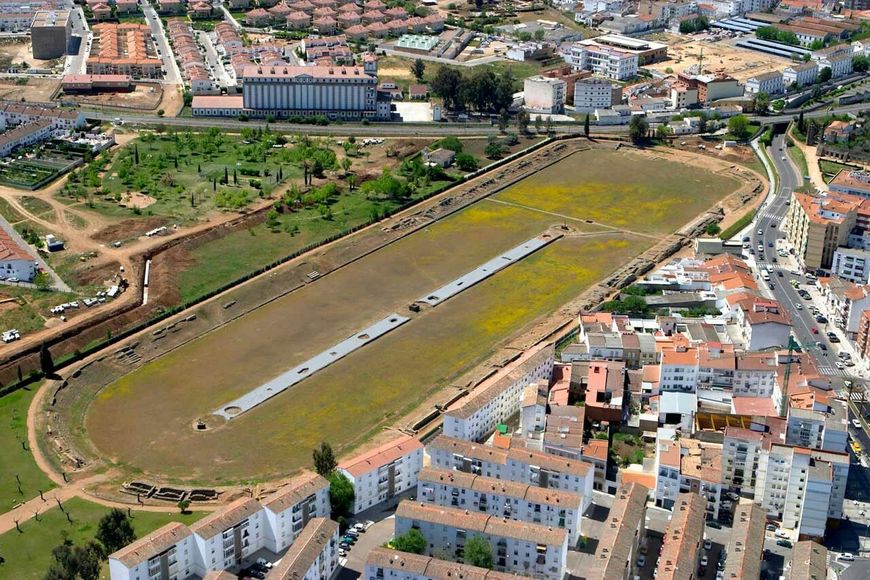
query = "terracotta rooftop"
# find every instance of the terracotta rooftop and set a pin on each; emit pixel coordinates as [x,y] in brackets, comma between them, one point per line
[380,456]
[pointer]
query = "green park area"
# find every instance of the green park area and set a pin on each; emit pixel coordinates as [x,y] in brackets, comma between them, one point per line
[20,477]
[609,200]
[28,553]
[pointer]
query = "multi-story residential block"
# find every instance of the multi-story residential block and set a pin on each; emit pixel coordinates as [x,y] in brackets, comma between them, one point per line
[845,302]
[746,545]
[852,264]
[851,182]
[50,33]
[818,225]
[769,82]
[169,552]
[385,564]
[683,539]
[604,61]
[755,375]
[800,75]
[763,323]
[623,535]
[595,93]
[24,135]
[862,338]
[838,58]
[126,48]
[515,464]
[688,465]
[314,554]
[544,94]
[224,538]
[533,412]
[290,509]
[13,113]
[801,487]
[683,96]
[741,449]
[712,87]
[499,397]
[382,473]
[500,498]
[520,547]
[809,561]
[816,420]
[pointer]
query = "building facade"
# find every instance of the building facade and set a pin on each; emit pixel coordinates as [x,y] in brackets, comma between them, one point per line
[382,473]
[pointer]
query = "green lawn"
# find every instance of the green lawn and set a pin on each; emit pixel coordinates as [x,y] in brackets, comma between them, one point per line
[799,159]
[831,168]
[9,213]
[28,554]
[14,460]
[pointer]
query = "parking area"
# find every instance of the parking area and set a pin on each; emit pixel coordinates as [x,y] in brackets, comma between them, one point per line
[376,535]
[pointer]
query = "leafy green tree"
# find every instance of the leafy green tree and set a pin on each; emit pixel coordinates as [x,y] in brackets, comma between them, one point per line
[447,84]
[523,121]
[46,364]
[42,281]
[762,102]
[452,143]
[115,530]
[860,63]
[628,305]
[637,129]
[825,74]
[324,459]
[713,229]
[494,150]
[341,494]
[478,552]
[418,69]
[738,125]
[466,162]
[412,541]
[71,562]
[183,505]
[663,132]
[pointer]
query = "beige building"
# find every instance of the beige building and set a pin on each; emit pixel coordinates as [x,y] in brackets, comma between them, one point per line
[818,225]
[50,33]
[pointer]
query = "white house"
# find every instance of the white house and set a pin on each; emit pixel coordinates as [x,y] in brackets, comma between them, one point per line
[289,509]
[769,82]
[763,323]
[313,556]
[800,75]
[504,499]
[382,473]
[520,547]
[595,93]
[838,58]
[497,398]
[852,264]
[15,261]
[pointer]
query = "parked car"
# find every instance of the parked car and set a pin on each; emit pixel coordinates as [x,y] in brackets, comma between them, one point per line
[846,557]
[708,545]
[641,561]
[714,524]
[856,423]
[781,534]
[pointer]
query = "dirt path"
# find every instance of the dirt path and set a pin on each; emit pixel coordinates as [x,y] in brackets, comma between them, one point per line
[816,177]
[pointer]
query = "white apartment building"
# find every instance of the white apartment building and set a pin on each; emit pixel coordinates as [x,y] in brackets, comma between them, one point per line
[838,58]
[604,61]
[544,94]
[688,465]
[800,75]
[504,499]
[382,473]
[226,537]
[802,487]
[827,429]
[770,83]
[593,93]
[519,465]
[169,552]
[313,556]
[340,92]
[520,547]
[386,564]
[290,509]
[221,540]
[679,369]
[741,449]
[755,375]
[499,397]
[533,412]
[851,264]
[845,302]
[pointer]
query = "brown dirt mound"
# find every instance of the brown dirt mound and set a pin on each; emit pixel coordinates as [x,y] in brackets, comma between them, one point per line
[129,228]
[96,274]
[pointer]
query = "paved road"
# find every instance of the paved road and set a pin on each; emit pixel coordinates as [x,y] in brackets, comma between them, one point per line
[172,75]
[213,60]
[75,63]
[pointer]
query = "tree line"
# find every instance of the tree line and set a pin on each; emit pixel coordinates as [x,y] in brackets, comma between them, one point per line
[481,89]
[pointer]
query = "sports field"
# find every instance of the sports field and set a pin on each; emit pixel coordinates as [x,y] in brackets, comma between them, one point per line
[144,420]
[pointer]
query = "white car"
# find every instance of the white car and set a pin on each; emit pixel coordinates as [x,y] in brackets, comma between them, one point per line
[840,365]
[641,560]
[846,557]
[263,562]
[856,423]
[799,306]
[781,534]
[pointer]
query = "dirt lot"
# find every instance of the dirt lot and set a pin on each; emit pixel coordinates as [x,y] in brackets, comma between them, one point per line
[144,96]
[17,51]
[35,90]
[383,382]
[720,56]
